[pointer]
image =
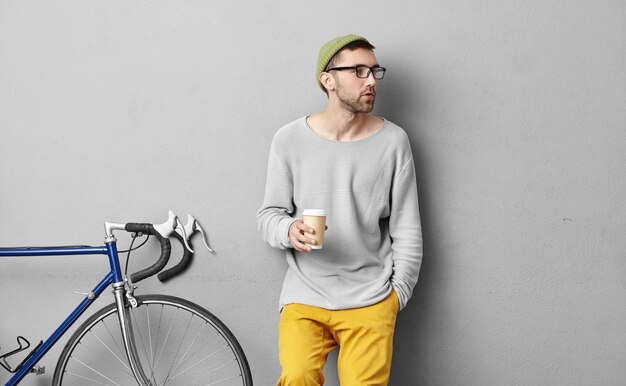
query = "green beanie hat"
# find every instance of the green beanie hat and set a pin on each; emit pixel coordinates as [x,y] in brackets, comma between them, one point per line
[330,49]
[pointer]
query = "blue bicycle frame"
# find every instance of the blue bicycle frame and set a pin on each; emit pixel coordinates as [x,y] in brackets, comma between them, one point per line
[114,276]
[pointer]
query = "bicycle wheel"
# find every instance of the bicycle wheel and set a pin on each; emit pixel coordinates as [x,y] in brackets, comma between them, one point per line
[178,343]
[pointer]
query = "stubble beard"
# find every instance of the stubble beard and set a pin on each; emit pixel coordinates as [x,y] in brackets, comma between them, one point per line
[355,104]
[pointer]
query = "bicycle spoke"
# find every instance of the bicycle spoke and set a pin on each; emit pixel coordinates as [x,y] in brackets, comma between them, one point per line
[87,379]
[149,333]
[223,380]
[169,331]
[214,370]
[97,372]
[180,345]
[119,349]
[193,342]
[112,353]
[200,361]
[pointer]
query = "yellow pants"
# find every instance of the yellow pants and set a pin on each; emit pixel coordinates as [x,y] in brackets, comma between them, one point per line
[306,335]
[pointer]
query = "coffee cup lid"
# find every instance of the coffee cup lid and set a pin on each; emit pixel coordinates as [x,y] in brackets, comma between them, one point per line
[314,212]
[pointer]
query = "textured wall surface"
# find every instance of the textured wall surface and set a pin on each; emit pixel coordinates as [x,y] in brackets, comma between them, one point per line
[121,110]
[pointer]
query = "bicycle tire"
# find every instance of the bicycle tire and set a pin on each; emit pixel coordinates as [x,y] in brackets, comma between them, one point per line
[178,342]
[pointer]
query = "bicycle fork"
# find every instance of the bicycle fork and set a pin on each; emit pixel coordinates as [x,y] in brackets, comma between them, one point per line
[119,291]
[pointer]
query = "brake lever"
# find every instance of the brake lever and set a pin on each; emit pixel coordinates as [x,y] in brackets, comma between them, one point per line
[180,229]
[170,226]
[192,226]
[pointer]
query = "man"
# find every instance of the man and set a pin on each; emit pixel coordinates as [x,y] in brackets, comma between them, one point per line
[359,168]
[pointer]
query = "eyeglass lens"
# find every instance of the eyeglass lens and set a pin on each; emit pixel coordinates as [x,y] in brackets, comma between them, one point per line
[364,72]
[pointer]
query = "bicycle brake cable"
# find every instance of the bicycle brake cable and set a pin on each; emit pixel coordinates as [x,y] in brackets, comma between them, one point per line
[130,249]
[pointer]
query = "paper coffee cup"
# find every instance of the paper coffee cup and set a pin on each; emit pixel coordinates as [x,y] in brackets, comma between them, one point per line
[316,219]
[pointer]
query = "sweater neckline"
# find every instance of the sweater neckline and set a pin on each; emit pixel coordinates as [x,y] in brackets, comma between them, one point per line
[317,135]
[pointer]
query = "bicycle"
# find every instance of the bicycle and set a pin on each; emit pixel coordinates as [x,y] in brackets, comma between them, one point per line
[147,340]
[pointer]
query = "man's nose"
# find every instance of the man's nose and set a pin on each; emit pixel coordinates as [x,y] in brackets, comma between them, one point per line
[370,79]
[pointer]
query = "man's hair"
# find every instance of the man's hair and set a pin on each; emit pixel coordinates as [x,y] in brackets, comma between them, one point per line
[351,46]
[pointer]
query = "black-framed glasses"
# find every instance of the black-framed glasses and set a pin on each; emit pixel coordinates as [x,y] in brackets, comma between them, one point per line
[362,71]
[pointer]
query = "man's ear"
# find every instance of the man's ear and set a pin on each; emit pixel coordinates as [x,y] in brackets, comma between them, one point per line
[327,80]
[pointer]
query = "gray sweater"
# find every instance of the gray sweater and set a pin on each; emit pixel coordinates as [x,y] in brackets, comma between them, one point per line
[374,240]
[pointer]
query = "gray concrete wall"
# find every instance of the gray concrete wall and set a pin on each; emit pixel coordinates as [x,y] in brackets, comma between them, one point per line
[121,110]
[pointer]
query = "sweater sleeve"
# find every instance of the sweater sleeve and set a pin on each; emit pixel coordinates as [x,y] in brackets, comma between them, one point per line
[275,215]
[406,233]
